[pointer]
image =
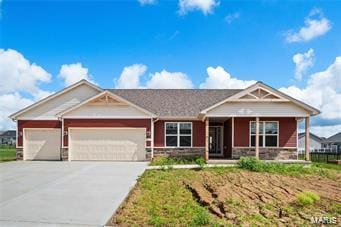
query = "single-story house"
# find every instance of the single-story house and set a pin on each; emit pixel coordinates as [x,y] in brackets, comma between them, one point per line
[8,137]
[333,143]
[316,142]
[86,122]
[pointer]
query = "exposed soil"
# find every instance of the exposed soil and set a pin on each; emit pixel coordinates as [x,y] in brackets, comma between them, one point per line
[238,196]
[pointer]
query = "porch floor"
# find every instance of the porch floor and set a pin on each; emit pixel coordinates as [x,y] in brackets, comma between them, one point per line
[234,161]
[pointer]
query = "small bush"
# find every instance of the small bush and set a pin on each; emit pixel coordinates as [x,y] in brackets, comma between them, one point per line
[307,198]
[201,162]
[251,163]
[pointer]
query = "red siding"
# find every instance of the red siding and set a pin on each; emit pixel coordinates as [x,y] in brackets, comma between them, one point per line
[198,133]
[35,124]
[287,131]
[136,123]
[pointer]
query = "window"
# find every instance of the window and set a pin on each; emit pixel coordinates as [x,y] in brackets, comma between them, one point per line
[178,134]
[268,133]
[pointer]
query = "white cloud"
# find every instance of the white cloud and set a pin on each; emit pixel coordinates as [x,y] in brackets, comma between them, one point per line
[10,103]
[303,62]
[220,79]
[147,2]
[206,6]
[72,73]
[231,17]
[322,91]
[315,25]
[17,74]
[171,80]
[130,76]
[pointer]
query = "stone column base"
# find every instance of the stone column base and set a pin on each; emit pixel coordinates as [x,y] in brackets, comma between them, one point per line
[64,154]
[20,154]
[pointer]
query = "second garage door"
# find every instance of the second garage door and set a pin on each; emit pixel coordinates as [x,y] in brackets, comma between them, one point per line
[109,144]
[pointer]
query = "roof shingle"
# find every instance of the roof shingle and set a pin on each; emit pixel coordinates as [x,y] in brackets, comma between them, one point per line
[175,102]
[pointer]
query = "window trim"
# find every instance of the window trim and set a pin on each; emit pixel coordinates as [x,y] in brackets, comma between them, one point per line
[178,135]
[264,134]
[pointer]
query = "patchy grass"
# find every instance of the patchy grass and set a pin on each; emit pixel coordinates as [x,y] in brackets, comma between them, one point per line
[307,198]
[168,161]
[229,196]
[7,153]
[327,166]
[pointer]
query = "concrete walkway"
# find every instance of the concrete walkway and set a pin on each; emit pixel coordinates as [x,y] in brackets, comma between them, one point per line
[64,193]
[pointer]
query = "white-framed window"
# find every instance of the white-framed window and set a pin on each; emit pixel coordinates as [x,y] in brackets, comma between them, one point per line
[178,134]
[268,133]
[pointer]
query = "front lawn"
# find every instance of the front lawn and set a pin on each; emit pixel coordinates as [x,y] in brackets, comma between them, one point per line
[231,196]
[7,153]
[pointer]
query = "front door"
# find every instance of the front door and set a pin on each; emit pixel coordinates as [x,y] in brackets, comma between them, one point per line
[216,141]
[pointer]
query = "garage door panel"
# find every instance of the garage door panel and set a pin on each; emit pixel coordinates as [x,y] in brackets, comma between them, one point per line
[107,144]
[42,144]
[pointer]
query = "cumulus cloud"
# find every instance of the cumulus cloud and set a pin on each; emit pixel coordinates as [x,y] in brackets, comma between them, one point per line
[220,79]
[171,80]
[322,91]
[130,76]
[19,77]
[303,62]
[18,74]
[72,73]
[232,17]
[10,103]
[315,25]
[147,2]
[206,6]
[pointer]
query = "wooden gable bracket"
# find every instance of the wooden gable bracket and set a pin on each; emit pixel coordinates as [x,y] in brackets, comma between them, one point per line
[260,95]
[106,99]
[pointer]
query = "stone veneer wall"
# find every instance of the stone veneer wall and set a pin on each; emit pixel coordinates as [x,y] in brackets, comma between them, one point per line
[20,154]
[64,153]
[272,153]
[178,152]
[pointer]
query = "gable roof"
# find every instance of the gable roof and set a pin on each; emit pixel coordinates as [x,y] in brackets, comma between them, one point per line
[44,100]
[8,133]
[259,84]
[175,102]
[315,137]
[106,92]
[335,138]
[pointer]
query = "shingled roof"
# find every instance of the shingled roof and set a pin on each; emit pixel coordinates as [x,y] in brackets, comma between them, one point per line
[175,102]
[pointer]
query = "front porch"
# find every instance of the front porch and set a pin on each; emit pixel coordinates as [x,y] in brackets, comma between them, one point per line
[267,138]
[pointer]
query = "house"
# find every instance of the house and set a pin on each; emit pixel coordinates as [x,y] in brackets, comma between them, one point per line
[85,122]
[333,142]
[315,141]
[8,137]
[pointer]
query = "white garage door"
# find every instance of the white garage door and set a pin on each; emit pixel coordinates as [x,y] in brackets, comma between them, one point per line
[42,144]
[121,144]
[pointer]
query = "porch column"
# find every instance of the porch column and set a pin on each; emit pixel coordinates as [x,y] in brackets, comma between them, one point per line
[257,137]
[307,139]
[152,138]
[206,138]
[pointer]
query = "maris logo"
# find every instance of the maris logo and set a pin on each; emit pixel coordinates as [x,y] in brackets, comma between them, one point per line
[323,220]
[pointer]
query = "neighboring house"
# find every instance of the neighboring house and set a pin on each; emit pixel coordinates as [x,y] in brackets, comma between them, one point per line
[315,141]
[85,122]
[333,142]
[8,137]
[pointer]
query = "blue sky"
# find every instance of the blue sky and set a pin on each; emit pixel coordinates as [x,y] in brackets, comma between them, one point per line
[249,40]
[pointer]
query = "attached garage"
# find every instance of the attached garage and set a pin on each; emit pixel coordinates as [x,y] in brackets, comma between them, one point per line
[41,144]
[107,144]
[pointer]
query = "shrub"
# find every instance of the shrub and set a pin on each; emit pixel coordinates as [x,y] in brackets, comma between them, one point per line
[307,198]
[251,163]
[201,162]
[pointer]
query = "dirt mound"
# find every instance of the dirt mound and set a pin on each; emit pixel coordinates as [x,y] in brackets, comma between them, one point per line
[238,196]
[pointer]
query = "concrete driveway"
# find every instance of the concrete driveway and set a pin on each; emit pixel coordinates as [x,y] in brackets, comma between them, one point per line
[64,193]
